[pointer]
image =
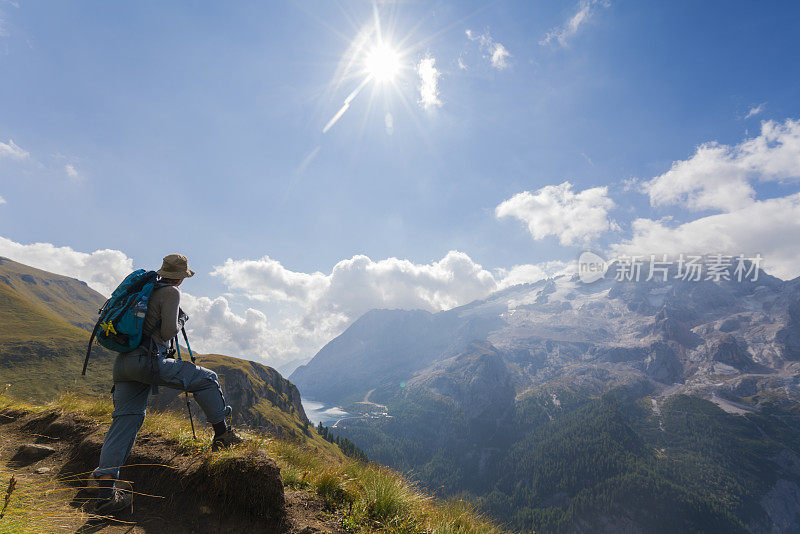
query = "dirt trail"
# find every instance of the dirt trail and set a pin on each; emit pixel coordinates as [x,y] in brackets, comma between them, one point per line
[177,493]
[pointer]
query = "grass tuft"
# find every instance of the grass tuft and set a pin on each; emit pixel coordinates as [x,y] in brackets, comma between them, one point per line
[35,507]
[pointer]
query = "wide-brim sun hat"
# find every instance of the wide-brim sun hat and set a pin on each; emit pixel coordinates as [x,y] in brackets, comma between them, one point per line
[175,266]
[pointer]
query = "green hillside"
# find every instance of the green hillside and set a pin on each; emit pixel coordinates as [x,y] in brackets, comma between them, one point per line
[40,352]
[70,299]
[23,320]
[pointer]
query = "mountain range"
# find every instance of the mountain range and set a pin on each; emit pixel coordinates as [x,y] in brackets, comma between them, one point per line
[639,406]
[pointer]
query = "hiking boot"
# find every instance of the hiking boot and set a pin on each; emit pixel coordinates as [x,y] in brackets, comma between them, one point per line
[121,498]
[225,440]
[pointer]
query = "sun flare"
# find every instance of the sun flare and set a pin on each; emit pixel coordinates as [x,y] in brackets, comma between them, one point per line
[382,63]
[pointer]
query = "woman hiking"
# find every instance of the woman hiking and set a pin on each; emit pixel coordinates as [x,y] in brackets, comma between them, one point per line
[140,370]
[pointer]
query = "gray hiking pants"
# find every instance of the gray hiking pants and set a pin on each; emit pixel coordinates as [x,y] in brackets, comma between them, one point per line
[133,380]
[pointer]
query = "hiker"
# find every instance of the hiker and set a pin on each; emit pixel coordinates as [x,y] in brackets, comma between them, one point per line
[137,372]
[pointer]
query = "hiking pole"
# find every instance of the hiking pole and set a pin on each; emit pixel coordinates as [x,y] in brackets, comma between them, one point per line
[186,391]
[186,339]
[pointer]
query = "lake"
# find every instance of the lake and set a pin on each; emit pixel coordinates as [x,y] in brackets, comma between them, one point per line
[319,412]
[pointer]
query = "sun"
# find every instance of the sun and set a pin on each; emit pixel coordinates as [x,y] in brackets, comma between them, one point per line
[382,63]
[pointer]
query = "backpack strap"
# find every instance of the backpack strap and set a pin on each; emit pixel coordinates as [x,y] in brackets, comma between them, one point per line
[89,349]
[154,372]
[94,333]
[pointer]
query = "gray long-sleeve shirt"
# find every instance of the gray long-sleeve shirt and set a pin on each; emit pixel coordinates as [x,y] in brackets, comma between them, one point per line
[164,304]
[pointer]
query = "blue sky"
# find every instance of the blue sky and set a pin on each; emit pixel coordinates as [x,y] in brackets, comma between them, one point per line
[149,127]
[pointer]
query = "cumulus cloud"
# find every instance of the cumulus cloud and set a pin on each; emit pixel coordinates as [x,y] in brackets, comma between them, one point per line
[428,83]
[102,269]
[562,34]
[359,284]
[217,329]
[761,227]
[497,54]
[721,178]
[575,218]
[13,151]
[717,176]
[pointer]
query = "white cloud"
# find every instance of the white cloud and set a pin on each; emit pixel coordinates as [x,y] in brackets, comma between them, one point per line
[214,328]
[755,110]
[428,83]
[102,269]
[72,172]
[359,284]
[2,200]
[13,151]
[763,227]
[556,210]
[496,53]
[499,56]
[718,176]
[562,34]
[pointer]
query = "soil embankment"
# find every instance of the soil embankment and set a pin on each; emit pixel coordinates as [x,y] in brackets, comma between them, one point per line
[174,492]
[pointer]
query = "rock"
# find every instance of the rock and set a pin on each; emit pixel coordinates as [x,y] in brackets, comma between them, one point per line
[43,470]
[663,365]
[308,530]
[731,352]
[672,330]
[730,324]
[33,452]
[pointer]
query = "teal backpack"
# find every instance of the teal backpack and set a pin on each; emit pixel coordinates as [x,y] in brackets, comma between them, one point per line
[121,321]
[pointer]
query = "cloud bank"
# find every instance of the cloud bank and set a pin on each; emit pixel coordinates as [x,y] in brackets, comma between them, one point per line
[721,178]
[717,177]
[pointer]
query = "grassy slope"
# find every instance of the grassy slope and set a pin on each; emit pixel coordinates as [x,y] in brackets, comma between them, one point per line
[23,321]
[366,497]
[71,300]
[40,353]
